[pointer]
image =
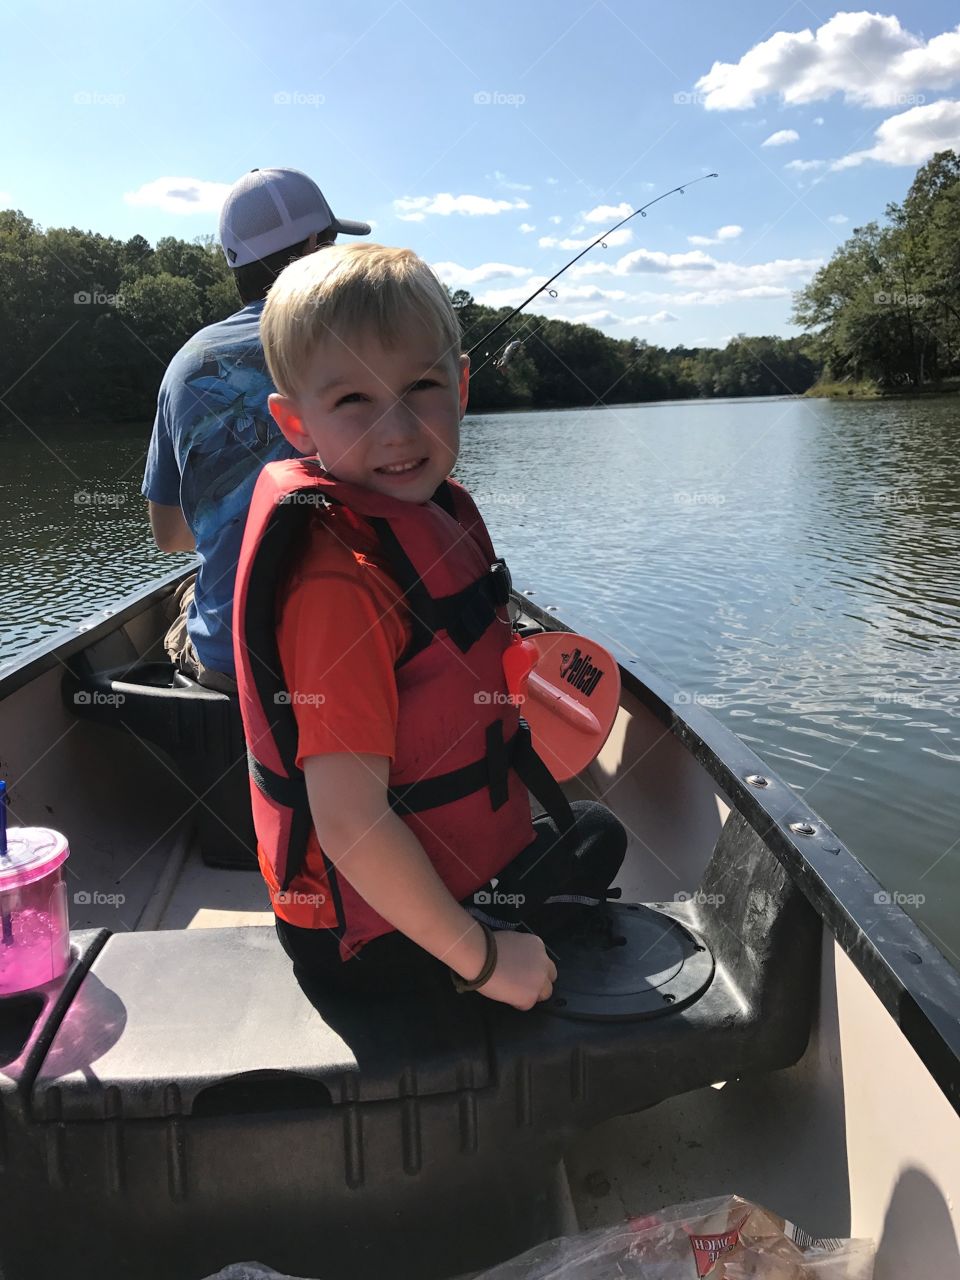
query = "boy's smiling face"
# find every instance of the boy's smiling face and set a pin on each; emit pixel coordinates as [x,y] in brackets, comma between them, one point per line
[383,417]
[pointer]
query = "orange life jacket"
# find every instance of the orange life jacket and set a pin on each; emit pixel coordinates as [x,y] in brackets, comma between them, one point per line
[463,760]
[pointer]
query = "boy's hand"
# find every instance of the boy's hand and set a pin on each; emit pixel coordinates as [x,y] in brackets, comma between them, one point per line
[524,973]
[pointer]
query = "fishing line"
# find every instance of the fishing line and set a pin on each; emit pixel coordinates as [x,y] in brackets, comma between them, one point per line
[642,212]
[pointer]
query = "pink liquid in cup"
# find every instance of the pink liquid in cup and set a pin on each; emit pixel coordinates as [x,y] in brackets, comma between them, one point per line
[34,922]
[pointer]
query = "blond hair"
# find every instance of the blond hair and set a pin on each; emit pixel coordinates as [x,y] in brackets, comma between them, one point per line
[343,293]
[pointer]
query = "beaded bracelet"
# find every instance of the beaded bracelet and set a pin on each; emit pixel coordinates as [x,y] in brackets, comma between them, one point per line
[489,964]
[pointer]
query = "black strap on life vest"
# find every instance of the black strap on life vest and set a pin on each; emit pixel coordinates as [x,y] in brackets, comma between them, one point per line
[490,773]
[465,615]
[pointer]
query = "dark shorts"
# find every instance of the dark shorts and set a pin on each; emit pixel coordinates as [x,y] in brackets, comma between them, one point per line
[580,868]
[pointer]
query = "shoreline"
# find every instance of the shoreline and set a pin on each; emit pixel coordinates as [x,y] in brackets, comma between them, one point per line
[867,390]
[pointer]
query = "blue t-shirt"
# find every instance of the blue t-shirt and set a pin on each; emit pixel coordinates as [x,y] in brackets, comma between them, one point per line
[212,435]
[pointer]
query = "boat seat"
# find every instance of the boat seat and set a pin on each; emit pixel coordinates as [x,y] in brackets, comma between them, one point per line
[199,729]
[178,1101]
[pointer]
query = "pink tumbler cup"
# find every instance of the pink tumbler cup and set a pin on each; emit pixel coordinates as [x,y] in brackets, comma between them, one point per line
[34,923]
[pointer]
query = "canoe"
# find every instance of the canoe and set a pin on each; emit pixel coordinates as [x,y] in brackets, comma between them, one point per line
[766,1021]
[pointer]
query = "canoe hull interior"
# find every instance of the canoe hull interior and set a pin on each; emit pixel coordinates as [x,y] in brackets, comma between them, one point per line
[177,1101]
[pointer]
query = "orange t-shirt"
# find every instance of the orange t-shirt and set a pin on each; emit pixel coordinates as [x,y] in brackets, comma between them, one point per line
[341,627]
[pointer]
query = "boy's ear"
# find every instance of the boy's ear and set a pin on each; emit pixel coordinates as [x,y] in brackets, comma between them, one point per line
[287,418]
[464,383]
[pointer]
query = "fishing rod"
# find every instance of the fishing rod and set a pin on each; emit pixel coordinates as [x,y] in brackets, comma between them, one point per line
[642,211]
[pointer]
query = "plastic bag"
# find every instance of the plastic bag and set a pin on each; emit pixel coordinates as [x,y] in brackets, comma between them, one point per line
[726,1238]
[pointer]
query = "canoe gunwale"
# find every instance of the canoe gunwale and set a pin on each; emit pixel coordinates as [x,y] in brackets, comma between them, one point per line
[914,981]
[68,641]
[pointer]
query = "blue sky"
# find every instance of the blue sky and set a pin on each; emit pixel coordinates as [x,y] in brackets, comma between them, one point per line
[493,138]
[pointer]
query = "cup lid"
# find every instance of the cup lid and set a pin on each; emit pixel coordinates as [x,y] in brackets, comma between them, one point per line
[32,852]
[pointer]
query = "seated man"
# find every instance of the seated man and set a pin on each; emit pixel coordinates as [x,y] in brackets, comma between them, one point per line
[213,430]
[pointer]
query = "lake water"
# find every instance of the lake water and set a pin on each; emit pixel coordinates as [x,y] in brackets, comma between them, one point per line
[793,564]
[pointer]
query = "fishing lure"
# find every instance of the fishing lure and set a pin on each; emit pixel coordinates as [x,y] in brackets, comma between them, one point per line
[509,351]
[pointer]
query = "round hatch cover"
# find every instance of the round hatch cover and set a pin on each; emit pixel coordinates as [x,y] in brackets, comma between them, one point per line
[635,963]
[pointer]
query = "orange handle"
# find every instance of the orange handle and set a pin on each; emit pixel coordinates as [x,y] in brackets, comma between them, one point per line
[567,708]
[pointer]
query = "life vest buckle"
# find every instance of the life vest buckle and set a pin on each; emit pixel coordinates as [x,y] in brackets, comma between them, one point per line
[502,582]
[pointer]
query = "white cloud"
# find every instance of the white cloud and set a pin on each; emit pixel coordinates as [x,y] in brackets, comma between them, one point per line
[718,297]
[781,138]
[912,137]
[659,317]
[555,218]
[654,260]
[526,227]
[589,293]
[503,180]
[553,181]
[838,218]
[510,297]
[595,318]
[180,195]
[416,208]
[700,271]
[615,238]
[608,212]
[869,57]
[453,274]
[803,166]
[607,319]
[818,119]
[721,234]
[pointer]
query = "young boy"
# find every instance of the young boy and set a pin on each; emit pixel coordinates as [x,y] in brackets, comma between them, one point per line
[389,765]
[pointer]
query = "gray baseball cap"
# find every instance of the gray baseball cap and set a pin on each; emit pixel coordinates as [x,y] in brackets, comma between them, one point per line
[272,209]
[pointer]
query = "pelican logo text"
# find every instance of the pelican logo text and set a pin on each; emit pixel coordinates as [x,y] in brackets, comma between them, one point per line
[577,669]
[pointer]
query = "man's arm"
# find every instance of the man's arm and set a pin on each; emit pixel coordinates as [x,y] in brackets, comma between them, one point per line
[384,861]
[170,530]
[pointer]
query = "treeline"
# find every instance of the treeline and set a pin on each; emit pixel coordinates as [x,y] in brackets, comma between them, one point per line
[561,364]
[88,324]
[886,307]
